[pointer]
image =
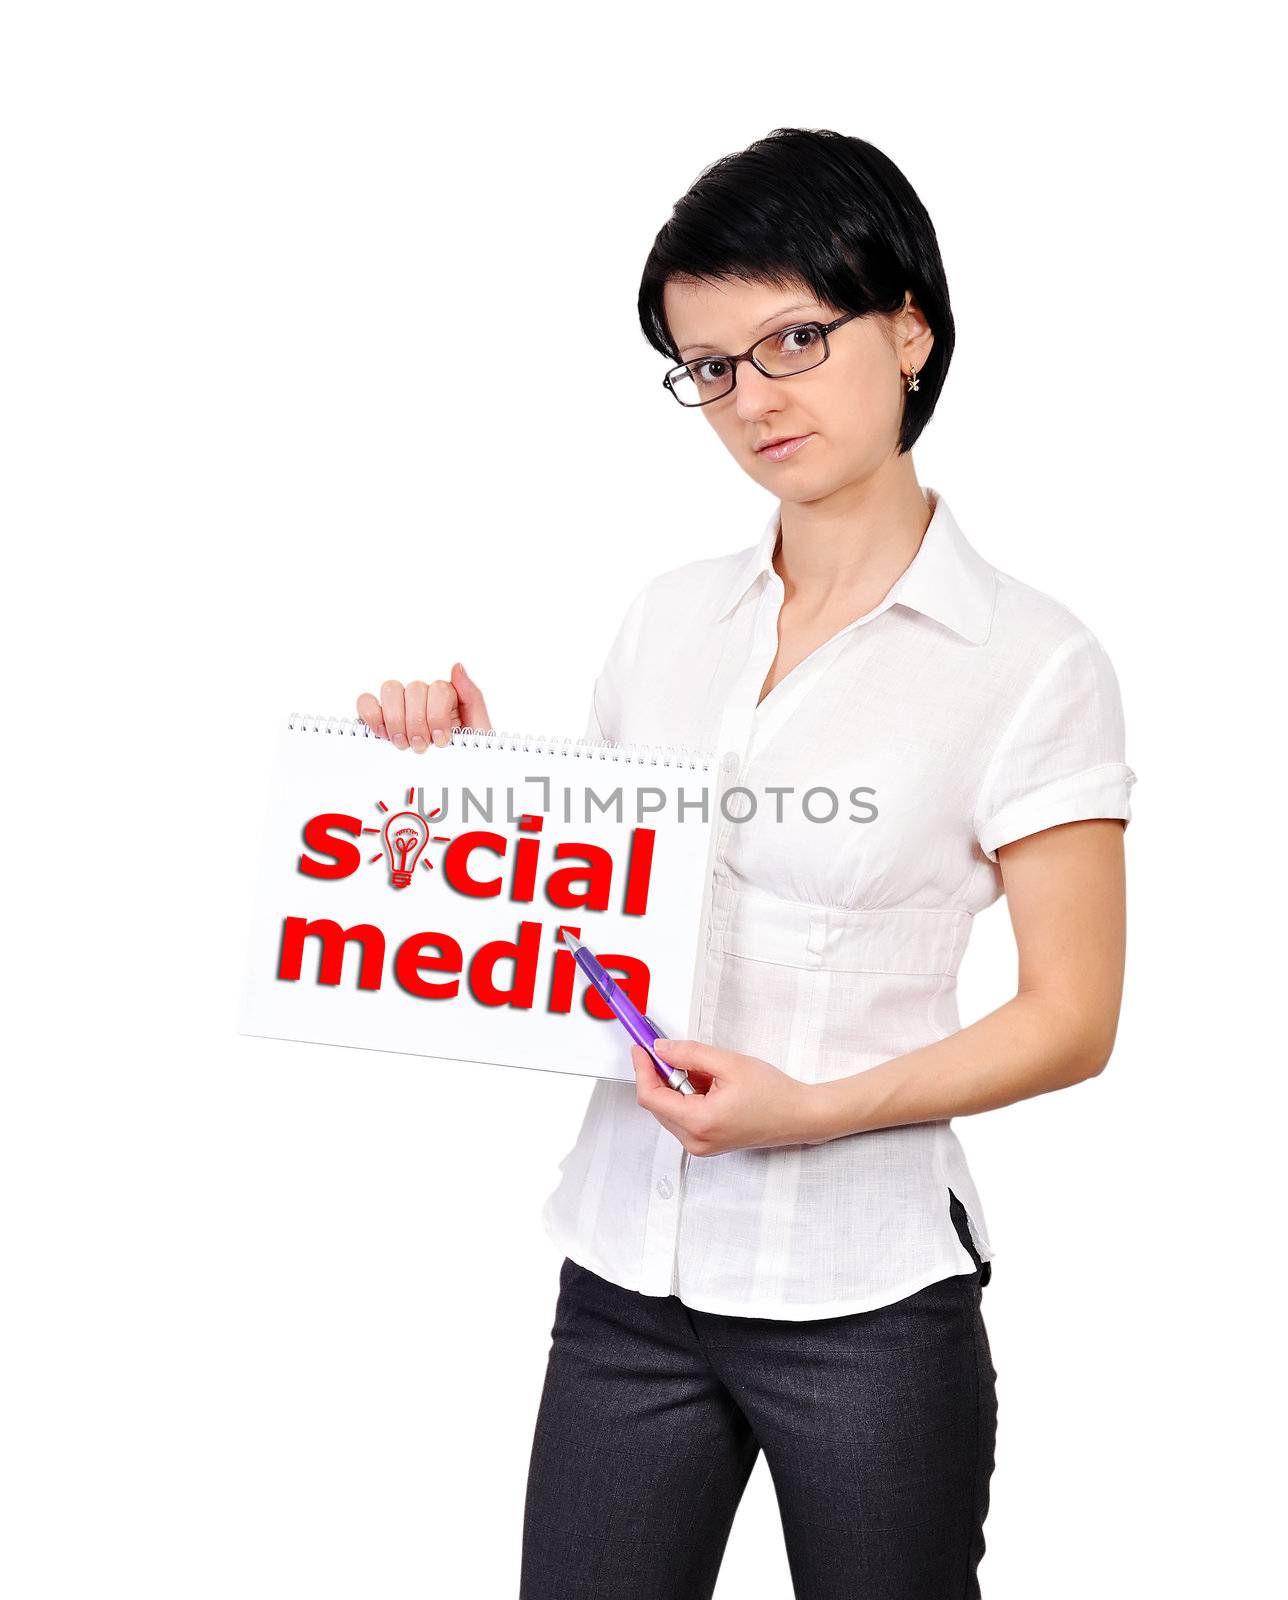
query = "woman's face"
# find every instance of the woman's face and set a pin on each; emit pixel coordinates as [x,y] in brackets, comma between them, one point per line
[848,410]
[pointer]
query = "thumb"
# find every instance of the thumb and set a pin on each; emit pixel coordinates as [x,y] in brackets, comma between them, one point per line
[473,707]
[696,1059]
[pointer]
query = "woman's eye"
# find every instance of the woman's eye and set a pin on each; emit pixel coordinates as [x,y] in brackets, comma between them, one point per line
[710,371]
[798,339]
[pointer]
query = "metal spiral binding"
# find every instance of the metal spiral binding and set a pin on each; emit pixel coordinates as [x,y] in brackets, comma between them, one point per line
[555,744]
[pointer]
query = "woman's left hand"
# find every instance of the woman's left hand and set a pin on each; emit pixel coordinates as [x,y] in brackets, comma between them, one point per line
[741,1101]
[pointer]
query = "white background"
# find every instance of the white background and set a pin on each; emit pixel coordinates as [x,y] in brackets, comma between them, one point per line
[289,298]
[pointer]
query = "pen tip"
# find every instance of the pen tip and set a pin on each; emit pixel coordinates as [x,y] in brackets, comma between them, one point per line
[570,939]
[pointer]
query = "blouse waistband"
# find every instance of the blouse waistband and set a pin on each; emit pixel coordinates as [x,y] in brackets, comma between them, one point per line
[898,939]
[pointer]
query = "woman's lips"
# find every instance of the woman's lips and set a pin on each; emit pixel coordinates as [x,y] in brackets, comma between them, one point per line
[789,447]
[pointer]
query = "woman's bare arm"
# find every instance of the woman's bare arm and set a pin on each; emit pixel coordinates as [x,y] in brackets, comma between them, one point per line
[1066,891]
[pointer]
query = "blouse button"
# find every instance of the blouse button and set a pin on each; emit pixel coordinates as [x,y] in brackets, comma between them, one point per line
[665,1188]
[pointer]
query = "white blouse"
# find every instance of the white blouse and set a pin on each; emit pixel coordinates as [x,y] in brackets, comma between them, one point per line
[964,711]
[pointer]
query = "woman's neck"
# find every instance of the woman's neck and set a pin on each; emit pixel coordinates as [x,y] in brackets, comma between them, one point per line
[846,554]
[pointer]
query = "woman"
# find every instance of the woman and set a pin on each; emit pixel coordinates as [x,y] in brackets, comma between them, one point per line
[792,1259]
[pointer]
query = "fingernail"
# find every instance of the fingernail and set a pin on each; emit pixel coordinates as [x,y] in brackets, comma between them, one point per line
[440,737]
[400,740]
[417,743]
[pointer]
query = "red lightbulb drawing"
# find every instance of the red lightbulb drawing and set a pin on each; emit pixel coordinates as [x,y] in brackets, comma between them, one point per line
[406,835]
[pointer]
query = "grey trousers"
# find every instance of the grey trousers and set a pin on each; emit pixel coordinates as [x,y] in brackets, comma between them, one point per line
[878,1429]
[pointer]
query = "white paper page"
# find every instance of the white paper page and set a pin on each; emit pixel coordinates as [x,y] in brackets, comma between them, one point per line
[341,775]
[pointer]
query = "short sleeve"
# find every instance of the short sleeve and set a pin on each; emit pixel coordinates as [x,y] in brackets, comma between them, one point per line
[594,733]
[1062,756]
[608,698]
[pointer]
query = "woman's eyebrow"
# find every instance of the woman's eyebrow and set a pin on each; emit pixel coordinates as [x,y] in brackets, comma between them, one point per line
[803,305]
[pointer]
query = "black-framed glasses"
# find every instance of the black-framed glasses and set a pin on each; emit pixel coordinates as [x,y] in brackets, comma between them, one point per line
[778,355]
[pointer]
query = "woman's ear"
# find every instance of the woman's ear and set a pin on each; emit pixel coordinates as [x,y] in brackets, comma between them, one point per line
[916,338]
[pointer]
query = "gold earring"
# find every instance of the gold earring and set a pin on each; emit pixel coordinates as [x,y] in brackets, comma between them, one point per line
[913,381]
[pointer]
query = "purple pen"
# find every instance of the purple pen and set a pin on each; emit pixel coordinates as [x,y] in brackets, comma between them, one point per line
[632,1019]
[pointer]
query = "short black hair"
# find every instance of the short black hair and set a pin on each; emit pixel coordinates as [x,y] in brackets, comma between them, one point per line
[807,205]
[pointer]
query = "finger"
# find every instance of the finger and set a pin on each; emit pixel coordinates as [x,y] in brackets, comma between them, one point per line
[673,1110]
[691,1054]
[394,707]
[648,1082]
[701,1082]
[696,1060]
[370,712]
[647,1076]
[417,728]
[442,711]
[474,711]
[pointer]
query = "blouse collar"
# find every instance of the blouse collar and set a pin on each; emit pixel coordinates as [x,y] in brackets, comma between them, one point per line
[947,580]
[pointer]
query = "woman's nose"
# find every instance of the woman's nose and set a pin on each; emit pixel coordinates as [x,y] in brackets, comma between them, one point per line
[754,394]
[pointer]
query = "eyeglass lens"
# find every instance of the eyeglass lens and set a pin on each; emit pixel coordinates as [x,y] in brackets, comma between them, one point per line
[780,354]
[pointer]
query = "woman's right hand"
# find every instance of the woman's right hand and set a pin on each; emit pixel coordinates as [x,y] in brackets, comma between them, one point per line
[414,716]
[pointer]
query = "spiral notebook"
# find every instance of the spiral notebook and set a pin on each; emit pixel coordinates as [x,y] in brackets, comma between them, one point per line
[413,902]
